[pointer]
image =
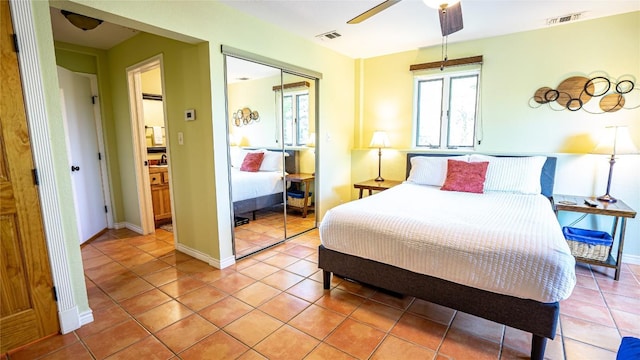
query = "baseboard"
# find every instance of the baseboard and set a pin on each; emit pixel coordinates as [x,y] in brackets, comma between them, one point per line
[133,227]
[119,225]
[69,320]
[206,258]
[86,317]
[631,259]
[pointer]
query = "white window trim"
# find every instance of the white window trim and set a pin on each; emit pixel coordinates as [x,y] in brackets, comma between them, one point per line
[294,94]
[436,74]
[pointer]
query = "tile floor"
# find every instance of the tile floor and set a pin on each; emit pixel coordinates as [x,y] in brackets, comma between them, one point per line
[151,302]
[268,228]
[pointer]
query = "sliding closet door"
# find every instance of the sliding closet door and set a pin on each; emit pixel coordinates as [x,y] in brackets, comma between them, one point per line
[257,157]
[298,95]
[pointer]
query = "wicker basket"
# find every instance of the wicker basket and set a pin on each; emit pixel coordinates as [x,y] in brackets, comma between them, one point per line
[297,202]
[588,244]
[296,198]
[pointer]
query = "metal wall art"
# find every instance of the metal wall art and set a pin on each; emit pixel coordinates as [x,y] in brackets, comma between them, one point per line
[575,92]
[245,117]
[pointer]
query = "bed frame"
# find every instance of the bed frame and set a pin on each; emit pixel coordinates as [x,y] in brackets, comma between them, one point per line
[539,319]
[254,204]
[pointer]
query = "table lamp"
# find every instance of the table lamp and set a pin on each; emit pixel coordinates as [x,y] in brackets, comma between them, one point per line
[615,141]
[379,140]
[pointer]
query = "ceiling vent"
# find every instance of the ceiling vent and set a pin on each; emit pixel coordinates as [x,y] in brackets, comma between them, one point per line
[564,19]
[329,35]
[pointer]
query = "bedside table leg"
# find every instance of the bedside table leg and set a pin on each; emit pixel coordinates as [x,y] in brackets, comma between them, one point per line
[360,197]
[623,225]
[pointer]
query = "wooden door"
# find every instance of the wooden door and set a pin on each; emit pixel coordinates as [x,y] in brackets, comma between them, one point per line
[27,305]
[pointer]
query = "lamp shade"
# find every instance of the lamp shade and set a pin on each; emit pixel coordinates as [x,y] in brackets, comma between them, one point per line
[616,140]
[379,140]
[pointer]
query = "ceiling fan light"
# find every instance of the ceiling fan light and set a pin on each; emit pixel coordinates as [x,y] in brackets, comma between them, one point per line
[437,4]
[80,21]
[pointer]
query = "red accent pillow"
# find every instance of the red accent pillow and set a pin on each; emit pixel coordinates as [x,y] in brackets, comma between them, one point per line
[465,176]
[252,162]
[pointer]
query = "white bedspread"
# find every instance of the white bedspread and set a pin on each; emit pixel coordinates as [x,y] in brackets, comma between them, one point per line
[248,185]
[505,243]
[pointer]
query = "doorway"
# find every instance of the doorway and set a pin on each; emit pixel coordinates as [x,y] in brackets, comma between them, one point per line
[81,113]
[150,143]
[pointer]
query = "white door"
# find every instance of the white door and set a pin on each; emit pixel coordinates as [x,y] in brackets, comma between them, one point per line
[82,144]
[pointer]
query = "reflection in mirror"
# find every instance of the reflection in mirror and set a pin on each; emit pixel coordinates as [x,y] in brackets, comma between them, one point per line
[256,156]
[298,122]
[272,122]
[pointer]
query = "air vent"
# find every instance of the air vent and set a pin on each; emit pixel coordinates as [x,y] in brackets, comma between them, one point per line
[564,19]
[329,35]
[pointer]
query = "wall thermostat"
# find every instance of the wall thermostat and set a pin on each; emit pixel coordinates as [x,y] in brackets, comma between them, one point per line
[189,115]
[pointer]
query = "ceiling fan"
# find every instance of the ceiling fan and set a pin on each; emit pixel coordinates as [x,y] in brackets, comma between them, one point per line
[450,14]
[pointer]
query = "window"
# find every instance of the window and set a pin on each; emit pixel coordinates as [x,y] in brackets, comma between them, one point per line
[295,106]
[446,110]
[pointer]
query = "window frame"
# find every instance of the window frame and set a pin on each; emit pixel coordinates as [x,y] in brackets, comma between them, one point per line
[297,138]
[446,78]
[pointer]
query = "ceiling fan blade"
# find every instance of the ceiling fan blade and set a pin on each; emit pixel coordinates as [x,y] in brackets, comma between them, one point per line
[374,10]
[451,19]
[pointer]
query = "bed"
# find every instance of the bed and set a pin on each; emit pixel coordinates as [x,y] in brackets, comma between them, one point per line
[252,191]
[502,249]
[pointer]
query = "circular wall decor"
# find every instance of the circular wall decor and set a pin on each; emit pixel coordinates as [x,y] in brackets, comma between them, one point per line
[612,102]
[574,88]
[574,92]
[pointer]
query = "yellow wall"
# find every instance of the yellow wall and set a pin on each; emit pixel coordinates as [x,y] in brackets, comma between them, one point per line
[515,66]
[257,95]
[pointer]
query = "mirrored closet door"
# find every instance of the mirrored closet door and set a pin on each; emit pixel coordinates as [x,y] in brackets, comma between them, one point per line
[272,121]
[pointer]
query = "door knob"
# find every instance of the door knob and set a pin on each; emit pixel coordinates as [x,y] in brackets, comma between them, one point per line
[75,168]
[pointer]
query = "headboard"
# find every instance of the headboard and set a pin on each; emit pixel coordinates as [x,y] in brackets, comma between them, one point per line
[291,160]
[547,176]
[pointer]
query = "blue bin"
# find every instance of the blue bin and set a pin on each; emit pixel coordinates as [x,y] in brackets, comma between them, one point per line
[591,237]
[298,194]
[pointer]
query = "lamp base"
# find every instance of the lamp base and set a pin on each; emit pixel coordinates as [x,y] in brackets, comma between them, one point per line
[607,198]
[379,178]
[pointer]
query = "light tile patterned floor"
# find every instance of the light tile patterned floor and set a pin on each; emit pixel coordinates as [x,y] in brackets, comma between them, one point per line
[151,302]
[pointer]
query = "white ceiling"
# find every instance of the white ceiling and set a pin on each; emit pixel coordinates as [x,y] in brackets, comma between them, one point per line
[410,24]
[105,36]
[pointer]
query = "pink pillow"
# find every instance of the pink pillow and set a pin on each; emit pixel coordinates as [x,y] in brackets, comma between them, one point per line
[252,162]
[466,177]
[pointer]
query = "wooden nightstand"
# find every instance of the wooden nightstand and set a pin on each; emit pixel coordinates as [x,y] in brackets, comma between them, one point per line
[372,185]
[619,210]
[305,179]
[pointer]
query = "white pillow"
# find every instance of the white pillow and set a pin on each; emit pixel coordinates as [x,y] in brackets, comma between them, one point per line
[512,174]
[431,170]
[237,155]
[272,161]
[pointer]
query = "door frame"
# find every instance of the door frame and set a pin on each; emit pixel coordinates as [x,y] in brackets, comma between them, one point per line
[31,74]
[104,175]
[143,184]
